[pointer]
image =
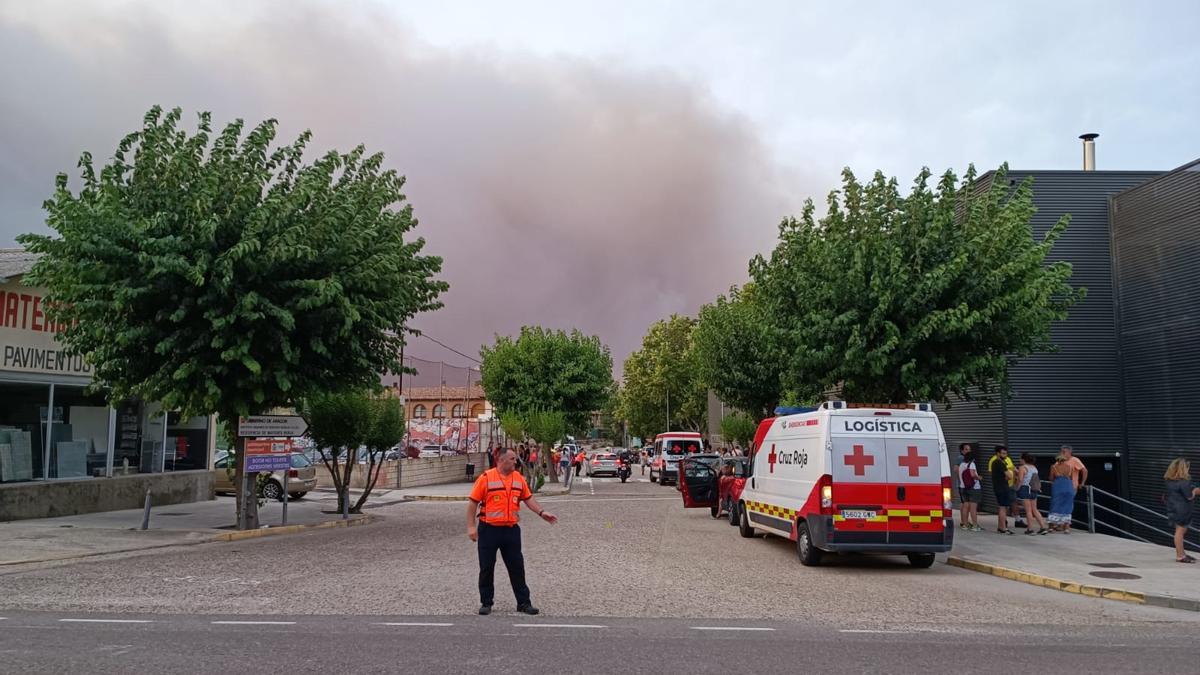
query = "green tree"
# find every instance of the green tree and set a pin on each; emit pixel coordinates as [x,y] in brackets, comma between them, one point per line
[739,428]
[547,370]
[739,352]
[218,274]
[348,426]
[893,298]
[546,427]
[662,383]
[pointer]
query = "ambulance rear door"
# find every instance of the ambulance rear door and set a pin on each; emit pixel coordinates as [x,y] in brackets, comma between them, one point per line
[913,497]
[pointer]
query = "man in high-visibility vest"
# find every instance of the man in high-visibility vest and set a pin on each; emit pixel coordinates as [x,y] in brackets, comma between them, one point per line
[495,501]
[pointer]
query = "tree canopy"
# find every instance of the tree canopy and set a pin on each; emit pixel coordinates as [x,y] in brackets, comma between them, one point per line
[547,370]
[215,273]
[893,297]
[739,353]
[662,382]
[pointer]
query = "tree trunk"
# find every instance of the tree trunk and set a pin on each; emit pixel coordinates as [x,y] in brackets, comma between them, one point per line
[374,469]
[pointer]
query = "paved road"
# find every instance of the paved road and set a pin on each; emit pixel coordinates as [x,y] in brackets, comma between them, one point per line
[626,557]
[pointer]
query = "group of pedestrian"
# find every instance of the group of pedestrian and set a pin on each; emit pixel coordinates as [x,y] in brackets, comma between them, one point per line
[1017,489]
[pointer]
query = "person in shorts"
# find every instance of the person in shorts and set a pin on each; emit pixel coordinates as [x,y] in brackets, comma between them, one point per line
[1002,471]
[970,490]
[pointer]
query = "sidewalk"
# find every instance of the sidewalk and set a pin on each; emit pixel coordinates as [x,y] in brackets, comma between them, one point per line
[1090,564]
[69,537]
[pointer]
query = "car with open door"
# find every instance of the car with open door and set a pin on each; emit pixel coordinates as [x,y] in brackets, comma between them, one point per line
[698,482]
[730,483]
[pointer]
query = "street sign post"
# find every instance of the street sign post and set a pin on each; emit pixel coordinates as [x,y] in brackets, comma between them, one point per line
[271,426]
[264,454]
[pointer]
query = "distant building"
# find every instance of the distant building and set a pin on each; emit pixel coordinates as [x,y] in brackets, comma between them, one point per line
[431,403]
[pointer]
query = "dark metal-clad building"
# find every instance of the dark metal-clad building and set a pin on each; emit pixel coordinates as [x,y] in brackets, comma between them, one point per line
[1073,395]
[1155,230]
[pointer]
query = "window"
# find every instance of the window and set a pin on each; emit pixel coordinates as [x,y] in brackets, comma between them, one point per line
[419,412]
[439,411]
[457,410]
[22,434]
[477,410]
[78,435]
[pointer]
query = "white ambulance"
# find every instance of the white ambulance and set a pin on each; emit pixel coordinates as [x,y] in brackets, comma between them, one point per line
[669,448]
[857,479]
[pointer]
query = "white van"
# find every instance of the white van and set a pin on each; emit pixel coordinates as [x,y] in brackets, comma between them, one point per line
[843,478]
[669,448]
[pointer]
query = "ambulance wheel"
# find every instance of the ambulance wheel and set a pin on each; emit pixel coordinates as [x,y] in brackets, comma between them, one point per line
[920,560]
[744,528]
[810,556]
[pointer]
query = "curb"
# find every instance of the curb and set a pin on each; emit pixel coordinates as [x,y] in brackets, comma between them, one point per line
[1075,587]
[226,536]
[291,529]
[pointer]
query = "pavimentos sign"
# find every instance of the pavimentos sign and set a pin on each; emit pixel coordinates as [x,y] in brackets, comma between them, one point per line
[28,340]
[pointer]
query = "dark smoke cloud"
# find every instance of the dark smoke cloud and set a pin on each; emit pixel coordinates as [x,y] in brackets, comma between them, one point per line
[565,193]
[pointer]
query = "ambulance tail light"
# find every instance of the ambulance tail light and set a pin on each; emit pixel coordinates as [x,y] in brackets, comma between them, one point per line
[825,484]
[947,502]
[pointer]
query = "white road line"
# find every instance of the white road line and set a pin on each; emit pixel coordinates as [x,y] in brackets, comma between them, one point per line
[557,625]
[254,623]
[730,628]
[412,623]
[105,621]
[871,630]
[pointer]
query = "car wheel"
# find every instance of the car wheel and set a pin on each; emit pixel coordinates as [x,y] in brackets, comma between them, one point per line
[272,490]
[744,528]
[733,513]
[920,560]
[296,495]
[810,556]
[715,511]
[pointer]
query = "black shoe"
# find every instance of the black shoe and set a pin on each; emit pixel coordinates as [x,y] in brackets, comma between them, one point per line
[484,610]
[528,609]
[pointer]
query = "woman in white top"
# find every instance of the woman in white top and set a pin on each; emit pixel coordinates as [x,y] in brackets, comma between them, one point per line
[1028,486]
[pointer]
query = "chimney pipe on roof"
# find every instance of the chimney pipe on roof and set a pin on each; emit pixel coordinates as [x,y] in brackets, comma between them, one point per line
[1089,151]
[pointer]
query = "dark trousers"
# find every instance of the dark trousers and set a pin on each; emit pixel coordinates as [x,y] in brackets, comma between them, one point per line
[577,468]
[506,540]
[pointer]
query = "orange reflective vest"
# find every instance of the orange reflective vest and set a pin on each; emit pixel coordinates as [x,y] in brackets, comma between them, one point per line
[500,498]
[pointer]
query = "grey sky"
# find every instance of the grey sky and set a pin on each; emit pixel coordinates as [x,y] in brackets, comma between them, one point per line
[601,164]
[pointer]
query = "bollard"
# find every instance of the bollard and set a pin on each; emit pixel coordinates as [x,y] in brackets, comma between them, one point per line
[1091,503]
[146,512]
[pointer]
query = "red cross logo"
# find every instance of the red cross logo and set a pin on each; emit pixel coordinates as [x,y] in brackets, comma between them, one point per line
[771,458]
[913,462]
[859,460]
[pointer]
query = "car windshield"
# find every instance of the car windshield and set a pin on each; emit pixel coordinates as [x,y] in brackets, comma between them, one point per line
[605,456]
[431,448]
[300,461]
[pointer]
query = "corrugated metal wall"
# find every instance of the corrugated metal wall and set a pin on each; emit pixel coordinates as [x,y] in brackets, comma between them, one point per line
[1155,231]
[1073,395]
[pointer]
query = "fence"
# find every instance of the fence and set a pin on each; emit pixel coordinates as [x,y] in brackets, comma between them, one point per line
[1107,513]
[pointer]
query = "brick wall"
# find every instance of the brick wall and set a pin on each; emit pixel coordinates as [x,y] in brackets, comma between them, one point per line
[413,472]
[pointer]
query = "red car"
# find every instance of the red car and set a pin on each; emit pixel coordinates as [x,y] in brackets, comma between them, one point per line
[730,484]
[712,482]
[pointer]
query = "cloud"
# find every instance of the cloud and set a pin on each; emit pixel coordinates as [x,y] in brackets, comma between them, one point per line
[564,192]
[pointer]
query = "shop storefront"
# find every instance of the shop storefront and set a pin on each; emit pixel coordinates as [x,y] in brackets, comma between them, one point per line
[54,431]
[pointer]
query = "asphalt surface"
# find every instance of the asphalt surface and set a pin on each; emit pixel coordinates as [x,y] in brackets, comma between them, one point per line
[626,577]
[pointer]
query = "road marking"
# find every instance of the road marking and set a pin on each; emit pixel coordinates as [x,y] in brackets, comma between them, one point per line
[105,621]
[730,628]
[254,623]
[557,625]
[872,630]
[413,623]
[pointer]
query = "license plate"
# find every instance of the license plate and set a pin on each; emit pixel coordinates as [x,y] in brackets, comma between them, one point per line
[858,515]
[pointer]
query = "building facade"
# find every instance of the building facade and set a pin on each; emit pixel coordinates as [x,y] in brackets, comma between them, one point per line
[1120,385]
[63,448]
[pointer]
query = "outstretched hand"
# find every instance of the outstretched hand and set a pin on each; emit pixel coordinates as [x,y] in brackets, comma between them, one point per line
[549,517]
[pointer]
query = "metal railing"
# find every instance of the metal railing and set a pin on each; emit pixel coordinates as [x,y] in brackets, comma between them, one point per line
[1088,497]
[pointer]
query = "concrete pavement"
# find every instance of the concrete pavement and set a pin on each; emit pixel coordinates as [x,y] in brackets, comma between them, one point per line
[1091,564]
[457,492]
[92,534]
